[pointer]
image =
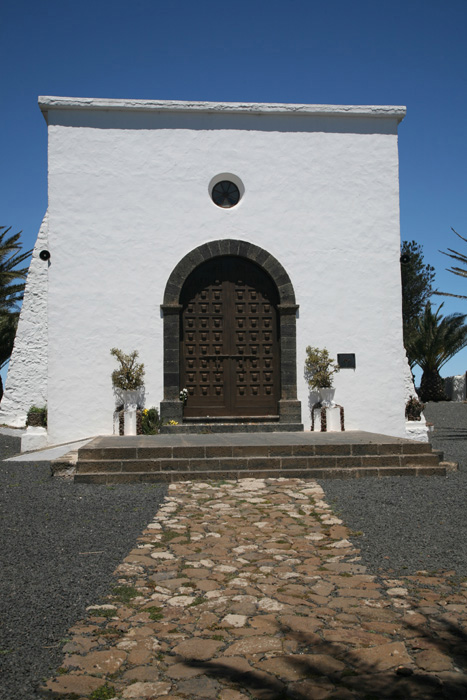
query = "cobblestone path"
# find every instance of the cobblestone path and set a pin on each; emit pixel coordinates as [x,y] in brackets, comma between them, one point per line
[254,589]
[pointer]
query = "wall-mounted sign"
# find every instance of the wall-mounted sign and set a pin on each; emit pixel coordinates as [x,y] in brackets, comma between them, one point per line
[346,360]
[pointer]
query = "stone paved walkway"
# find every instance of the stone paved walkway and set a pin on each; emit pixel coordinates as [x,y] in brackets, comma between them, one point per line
[254,589]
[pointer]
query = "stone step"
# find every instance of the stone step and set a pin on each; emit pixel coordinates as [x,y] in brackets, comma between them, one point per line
[315,473]
[209,428]
[302,455]
[250,464]
[207,451]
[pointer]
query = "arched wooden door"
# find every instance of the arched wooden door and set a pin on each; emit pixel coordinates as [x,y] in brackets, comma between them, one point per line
[229,341]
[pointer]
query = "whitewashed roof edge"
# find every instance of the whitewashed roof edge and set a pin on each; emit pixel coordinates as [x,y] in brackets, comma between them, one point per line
[47,103]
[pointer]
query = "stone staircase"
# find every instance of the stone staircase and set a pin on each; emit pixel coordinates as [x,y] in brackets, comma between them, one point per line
[252,426]
[166,458]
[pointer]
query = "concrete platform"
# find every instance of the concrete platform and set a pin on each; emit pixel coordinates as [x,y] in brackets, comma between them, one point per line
[49,454]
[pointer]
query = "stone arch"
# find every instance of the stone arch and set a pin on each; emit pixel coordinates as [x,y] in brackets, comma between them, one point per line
[289,406]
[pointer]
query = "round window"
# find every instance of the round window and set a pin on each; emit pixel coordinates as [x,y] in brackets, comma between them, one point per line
[225,194]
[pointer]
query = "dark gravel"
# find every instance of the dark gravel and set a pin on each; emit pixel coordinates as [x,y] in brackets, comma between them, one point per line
[47,576]
[48,525]
[412,523]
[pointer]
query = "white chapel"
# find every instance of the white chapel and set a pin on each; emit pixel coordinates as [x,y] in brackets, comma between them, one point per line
[218,240]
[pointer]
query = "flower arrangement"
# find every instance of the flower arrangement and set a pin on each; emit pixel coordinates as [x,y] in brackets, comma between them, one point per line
[150,421]
[129,376]
[183,396]
[319,368]
[173,422]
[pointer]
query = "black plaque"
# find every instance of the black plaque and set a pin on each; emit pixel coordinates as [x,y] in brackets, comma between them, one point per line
[346,360]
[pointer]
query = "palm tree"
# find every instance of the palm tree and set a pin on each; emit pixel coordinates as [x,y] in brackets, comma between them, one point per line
[11,291]
[8,325]
[435,340]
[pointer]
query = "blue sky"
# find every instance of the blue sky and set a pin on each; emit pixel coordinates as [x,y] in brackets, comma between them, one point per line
[400,52]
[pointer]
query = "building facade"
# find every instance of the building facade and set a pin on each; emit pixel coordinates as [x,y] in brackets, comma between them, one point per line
[218,240]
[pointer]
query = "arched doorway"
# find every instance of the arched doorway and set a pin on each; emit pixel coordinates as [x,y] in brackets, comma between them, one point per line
[229,341]
[184,284]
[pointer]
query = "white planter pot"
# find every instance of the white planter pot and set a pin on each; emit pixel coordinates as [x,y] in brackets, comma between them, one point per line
[116,423]
[326,397]
[129,421]
[130,399]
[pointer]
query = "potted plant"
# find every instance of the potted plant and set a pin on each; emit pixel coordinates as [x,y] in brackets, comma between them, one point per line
[150,421]
[37,416]
[413,409]
[128,386]
[35,435]
[319,372]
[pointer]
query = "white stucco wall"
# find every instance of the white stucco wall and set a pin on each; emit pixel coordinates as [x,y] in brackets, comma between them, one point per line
[128,198]
[455,387]
[410,391]
[26,382]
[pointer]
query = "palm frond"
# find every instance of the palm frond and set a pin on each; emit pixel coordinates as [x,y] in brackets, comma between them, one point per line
[447,294]
[455,256]
[11,257]
[8,325]
[458,234]
[12,285]
[459,271]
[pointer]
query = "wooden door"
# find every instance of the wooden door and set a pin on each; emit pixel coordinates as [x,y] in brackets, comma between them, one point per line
[229,345]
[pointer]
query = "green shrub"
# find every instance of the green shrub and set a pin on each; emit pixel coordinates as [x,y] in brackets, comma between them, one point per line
[319,368]
[151,421]
[37,415]
[130,374]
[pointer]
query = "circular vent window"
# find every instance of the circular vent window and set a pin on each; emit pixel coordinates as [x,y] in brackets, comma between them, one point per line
[225,194]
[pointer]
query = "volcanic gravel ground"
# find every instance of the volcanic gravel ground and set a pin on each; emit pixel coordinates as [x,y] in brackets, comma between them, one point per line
[59,544]
[405,524]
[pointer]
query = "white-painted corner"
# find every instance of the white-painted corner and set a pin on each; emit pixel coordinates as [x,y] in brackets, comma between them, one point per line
[26,382]
[33,438]
[417,430]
